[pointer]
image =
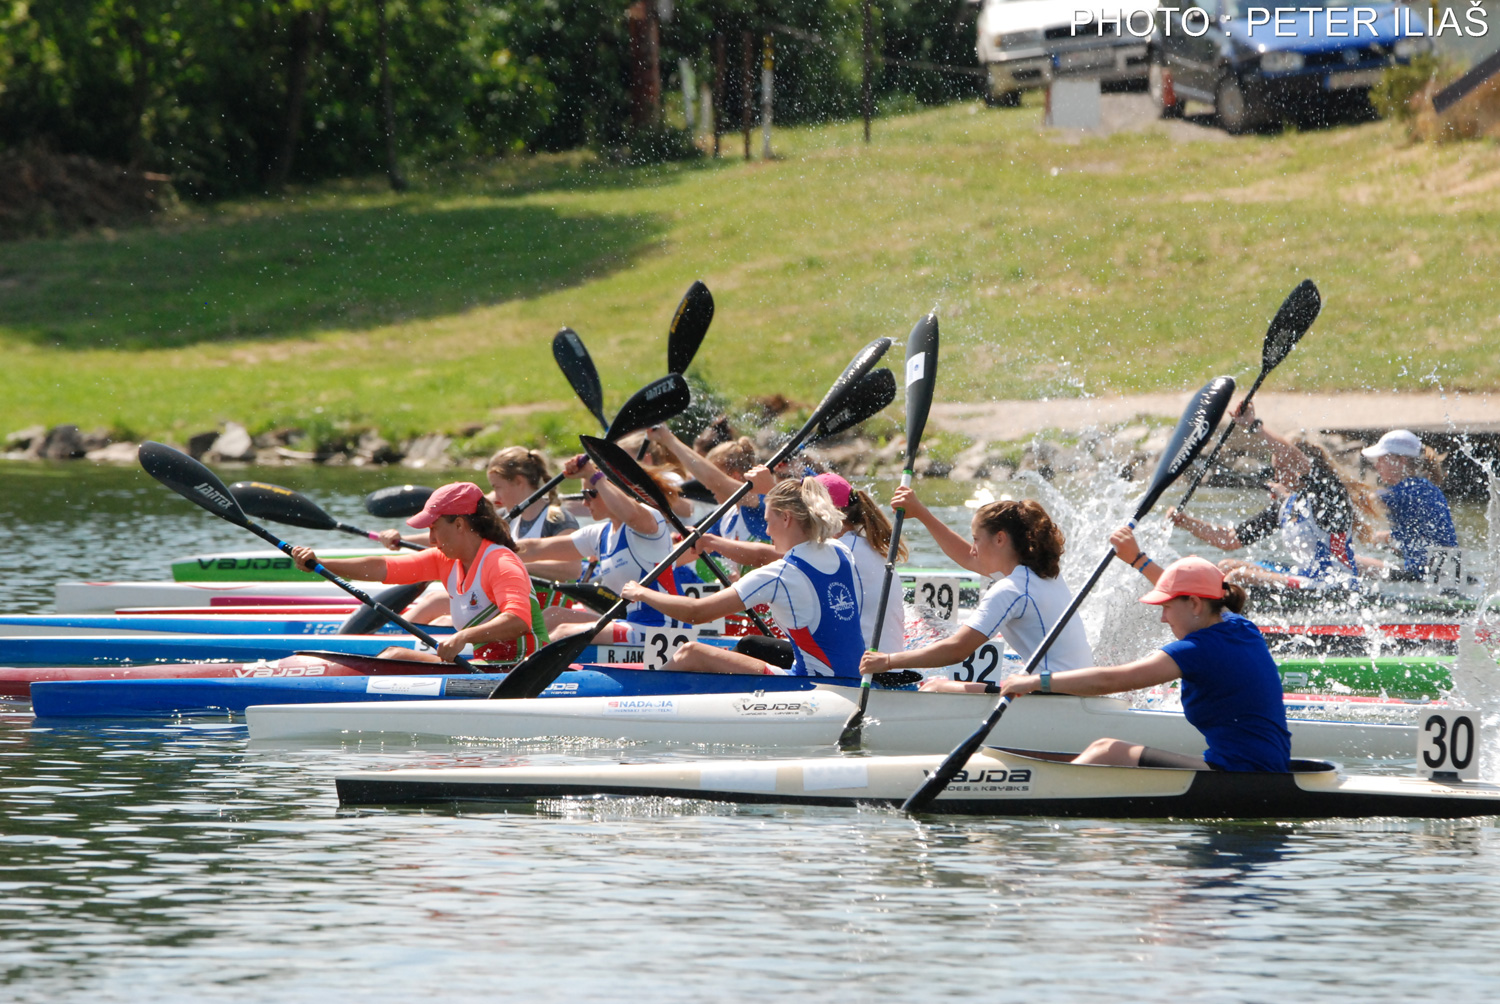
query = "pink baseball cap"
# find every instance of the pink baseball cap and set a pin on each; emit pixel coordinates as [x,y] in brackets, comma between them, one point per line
[458,499]
[1192,576]
[838,489]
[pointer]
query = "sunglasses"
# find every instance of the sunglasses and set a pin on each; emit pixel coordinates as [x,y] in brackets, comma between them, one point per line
[590,493]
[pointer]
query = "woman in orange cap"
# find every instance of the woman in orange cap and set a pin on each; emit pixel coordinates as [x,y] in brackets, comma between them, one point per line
[1231,691]
[473,555]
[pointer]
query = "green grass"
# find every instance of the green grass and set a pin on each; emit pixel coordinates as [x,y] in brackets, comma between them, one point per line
[1125,263]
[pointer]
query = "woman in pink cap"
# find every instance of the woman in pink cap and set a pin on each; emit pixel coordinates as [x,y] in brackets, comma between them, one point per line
[1231,691]
[489,591]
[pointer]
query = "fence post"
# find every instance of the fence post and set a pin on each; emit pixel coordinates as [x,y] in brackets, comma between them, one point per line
[767,84]
[747,59]
[718,92]
[866,95]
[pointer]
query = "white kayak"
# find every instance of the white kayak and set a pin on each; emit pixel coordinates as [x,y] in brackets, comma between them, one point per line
[898,721]
[993,782]
[103,597]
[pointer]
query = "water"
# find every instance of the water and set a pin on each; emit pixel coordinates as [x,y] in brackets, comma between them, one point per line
[167,862]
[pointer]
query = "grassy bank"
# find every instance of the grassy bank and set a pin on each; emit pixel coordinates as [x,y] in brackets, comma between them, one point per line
[1131,262]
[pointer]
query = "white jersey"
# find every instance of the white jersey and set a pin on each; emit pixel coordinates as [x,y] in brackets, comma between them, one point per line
[870,564]
[624,555]
[1023,607]
[793,600]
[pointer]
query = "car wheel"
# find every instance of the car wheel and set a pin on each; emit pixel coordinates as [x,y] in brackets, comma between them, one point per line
[1232,107]
[1159,86]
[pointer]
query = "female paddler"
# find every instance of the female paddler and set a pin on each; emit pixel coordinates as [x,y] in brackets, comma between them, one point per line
[1231,691]
[1016,544]
[813,592]
[627,541]
[473,555]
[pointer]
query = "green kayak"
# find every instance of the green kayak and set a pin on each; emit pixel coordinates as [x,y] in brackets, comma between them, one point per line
[1407,677]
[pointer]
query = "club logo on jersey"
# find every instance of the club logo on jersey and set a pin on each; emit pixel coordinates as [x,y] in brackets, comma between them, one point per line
[841,601]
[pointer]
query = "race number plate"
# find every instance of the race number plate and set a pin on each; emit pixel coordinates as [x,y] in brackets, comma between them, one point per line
[1448,744]
[661,642]
[983,666]
[698,590]
[937,595]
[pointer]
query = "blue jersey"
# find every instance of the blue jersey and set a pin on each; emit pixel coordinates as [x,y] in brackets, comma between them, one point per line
[1231,692]
[1420,518]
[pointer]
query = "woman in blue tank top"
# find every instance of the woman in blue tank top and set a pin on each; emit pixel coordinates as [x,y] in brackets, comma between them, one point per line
[1231,691]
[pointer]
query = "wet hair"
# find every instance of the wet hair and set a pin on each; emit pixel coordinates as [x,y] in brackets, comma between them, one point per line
[807,503]
[869,521]
[1233,600]
[714,434]
[1364,506]
[519,462]
[1037,540]
[486,522]
[735,456]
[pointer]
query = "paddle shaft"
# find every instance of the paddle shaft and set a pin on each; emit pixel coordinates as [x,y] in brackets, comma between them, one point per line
[713,566]
[1213,455]
[410,545]
[854,727]
[361,595]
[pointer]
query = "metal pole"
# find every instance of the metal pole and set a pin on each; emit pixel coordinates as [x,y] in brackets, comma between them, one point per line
[767,85]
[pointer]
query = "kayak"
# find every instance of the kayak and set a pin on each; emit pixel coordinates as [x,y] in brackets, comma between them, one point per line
[154,698]
[994,782]
[1436,638]
[141,649]
[263,565]
[240,622]
[106,597]
[1407,677]
[898,721]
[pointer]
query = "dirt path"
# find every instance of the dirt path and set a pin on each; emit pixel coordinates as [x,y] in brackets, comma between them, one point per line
[1002,421]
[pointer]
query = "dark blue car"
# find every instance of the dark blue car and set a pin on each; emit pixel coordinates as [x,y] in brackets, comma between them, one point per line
[1256,70]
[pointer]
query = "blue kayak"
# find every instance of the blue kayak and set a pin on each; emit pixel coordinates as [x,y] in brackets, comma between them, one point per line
[157,698]
[84,625]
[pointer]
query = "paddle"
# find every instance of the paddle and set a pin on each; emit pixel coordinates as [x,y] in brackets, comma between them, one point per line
[652,404]
[368,620]
[202,487]
[537,671]
[578,367]
[623,470]
[871,395]
[1193,429]
[282,505]
[921,378]
[689,325]
[1297,313]
[397,501]
[590,594]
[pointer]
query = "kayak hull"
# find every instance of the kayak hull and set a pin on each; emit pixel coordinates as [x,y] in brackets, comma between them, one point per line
[898,721]
[992,783]
[105,597]
[242,622]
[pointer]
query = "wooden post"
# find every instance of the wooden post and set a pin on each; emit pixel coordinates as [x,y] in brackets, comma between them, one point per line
[388,103]
[866,88]
[747,67]
[767,89]
[645,68]
[719,71]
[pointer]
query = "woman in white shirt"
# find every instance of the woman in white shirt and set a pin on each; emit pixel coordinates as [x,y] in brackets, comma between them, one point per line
[1016,544]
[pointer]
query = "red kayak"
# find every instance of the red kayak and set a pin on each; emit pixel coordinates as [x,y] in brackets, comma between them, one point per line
[17,682]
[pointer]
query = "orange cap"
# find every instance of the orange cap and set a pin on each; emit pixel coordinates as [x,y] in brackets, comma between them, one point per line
[1191,576]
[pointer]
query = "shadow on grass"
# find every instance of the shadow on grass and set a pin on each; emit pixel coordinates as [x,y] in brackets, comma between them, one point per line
[295,272]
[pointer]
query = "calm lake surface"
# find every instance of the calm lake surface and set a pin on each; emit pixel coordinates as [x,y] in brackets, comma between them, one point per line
[149,861]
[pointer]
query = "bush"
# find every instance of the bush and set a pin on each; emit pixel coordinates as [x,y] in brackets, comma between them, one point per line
[1392,96]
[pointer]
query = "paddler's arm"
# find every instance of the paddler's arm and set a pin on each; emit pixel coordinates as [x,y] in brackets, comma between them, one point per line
[1225,538]
[743,552]
[505,627]
[686,608]
[1095,681]
[959,550]
[955,648]
[1128,551]
[558,548]
[721,484]
[370,569]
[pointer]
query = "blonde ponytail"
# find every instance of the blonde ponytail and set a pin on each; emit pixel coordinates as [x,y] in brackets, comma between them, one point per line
[808,504]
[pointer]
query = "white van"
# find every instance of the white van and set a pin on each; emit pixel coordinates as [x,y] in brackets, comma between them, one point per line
[1026,43]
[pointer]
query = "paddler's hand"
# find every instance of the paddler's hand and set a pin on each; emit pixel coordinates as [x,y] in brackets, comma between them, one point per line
[874,662]
[1245,413]
[578,466]
[304,558]
[906,500]
[451,646]
[1126,549]
[761,479]
[391,539]
[1019,684]
[633,592]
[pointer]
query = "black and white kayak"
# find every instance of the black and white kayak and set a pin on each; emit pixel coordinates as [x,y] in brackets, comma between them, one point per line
[898,721]
[994,782]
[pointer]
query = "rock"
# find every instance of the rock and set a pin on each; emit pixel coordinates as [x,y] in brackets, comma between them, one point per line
[974,462]
[268,457]
[200,444]
[427,451]
[23,439]
[335,460]
[234,443]
[96,440]
[114,453]
[375,449]
[63,442]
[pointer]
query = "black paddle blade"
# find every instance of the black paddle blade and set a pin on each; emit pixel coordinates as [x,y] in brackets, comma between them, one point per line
[921,379]
[535,673]
[1193,430]
[652,405]
[280,505]
[368,620]
[864,361]
[689,325]
[1297,313]
[397,501]
[872,395]
[623,470]
[578,366]
[192,481]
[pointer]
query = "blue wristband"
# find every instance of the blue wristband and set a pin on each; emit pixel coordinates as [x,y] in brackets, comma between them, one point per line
[1046,677]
